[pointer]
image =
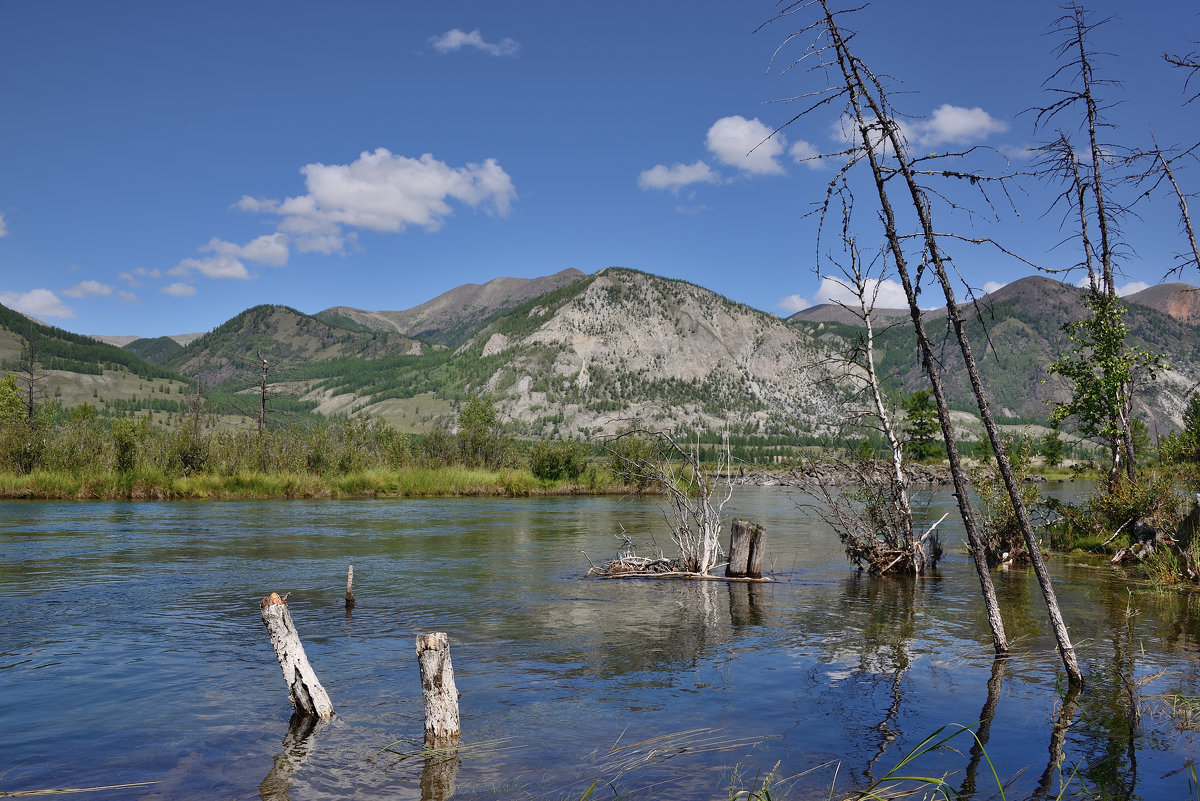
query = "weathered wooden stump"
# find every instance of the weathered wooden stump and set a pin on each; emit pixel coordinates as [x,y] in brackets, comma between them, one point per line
[349,588]
[745,550]
[757,548]
[437,685]
[305,690]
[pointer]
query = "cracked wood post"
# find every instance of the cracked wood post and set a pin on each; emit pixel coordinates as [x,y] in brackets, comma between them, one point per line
[437,685]
[305,690]
[745,550]
[739,548]
[349,591]
[758,536]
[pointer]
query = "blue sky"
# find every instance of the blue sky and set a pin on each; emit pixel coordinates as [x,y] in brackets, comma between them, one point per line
[164,166]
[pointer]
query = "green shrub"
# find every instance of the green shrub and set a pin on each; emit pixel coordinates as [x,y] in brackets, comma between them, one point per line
[558,461]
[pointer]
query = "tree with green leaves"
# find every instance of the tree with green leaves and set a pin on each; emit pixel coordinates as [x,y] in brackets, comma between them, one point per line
[1053,448]
[1103,369]
[921,425]
[479,432]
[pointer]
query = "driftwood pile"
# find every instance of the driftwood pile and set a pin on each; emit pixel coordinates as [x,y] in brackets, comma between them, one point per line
[745,562]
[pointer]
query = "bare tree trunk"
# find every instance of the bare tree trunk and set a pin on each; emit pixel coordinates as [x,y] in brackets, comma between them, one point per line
[438,688]
[879,124]
[350,602]
[305,690]
[857,88]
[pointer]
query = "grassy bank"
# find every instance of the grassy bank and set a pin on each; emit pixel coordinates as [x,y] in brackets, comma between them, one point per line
[405,482]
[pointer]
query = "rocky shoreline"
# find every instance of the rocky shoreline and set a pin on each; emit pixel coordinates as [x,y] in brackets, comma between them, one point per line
[833,475]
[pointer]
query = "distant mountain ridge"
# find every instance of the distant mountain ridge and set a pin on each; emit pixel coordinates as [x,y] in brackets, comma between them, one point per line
[576,354]
[1017,331]
[452,316]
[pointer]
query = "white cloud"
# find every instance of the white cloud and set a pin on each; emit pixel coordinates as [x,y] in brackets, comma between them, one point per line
[793,304]
[1131,288]
[957,125]
[888,294]
[948,124]
[85,288]
[228,258]
[744,144]
[270,249]
[128,298]
[455,39]
[133,277]
[677,176]
[3,227]
[179,290]
[37,303]
[383,192]
[991,286]
[221,265]
[806,153]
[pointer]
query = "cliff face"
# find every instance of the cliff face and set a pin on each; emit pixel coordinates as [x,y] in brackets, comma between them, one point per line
[625,345]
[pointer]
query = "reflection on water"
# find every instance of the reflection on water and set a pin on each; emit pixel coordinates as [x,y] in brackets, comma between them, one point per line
[131,651]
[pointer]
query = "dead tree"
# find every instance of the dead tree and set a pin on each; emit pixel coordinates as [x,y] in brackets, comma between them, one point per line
[1104,372]
[879,136]
[31,375]
[874,523]
[697,498]
[831,55]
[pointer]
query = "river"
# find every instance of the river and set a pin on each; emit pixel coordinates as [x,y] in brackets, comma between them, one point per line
[131,653]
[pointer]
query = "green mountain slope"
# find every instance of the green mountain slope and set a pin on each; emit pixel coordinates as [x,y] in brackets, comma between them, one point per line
[1015,333]
[289,340]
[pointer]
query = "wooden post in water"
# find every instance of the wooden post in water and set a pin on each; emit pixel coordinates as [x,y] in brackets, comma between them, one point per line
[758,546]
[739,548]
[437,685]
[349,588]
[745,550]
[305,690]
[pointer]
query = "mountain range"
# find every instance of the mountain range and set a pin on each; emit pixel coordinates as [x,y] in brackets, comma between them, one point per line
[573,353]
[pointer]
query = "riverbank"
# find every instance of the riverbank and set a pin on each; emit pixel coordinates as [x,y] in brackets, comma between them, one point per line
[408,482]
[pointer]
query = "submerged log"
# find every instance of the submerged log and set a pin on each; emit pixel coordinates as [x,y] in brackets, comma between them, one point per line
[349,588]
[305,690]
[437,685]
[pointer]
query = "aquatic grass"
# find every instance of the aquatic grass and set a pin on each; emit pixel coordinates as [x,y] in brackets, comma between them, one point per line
[901,783]
[70,790]
[1183,711]
[412,749]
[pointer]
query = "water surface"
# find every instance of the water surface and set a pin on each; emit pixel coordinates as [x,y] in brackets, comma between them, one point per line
[131,651]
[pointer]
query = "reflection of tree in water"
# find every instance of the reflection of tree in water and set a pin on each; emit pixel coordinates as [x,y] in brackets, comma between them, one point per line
[297,745]
[869,631]
[1107,740]
[658,625]
[984,733]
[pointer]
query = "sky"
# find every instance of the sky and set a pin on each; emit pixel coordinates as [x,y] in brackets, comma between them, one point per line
[164,166]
